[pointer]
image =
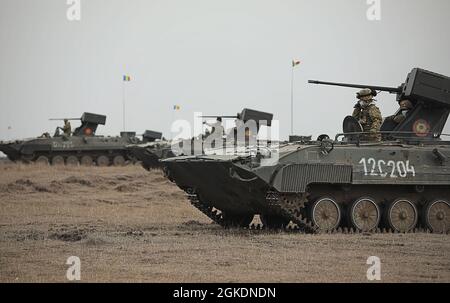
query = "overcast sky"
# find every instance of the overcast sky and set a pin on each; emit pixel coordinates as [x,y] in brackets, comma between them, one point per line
[207,55]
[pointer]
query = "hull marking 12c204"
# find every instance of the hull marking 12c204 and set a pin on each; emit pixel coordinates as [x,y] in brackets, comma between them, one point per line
[387,168]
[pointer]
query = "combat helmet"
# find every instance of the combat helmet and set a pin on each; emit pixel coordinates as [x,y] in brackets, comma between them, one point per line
[365,93]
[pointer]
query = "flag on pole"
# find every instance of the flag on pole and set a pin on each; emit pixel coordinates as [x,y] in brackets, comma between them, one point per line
[176,107]
[295,62]
[126,78]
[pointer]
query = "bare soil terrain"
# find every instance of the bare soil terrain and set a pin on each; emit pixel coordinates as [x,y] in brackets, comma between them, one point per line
[129,225]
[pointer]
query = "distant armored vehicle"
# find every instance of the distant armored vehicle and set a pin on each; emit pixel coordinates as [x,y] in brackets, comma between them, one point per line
[400,184]
[243,133]
[157,148]
[152,151]
[82,146]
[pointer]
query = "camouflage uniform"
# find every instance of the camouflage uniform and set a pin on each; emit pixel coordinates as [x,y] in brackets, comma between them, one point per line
[67,128]
[370,119]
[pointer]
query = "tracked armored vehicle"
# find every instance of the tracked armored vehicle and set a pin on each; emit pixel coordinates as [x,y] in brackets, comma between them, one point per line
[82,146]
[400,184]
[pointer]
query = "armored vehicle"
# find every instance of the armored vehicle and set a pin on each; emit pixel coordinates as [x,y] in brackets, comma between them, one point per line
[401,184]
[154,148]
[157,148]
[82,146]
[220,141]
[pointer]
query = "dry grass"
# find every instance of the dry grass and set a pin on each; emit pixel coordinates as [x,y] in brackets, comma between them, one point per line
[127,224]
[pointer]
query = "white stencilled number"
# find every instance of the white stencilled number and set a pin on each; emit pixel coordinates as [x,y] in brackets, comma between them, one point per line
[373,163]
[393,169]
[363,162]
[391,164]
[401,168]
[410,169]
[380,169]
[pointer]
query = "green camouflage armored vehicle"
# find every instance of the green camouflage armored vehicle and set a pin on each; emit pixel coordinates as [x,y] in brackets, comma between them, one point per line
[400,184]
[82,146]
[157,148]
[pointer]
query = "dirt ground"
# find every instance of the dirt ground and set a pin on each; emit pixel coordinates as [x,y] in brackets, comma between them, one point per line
[129,225]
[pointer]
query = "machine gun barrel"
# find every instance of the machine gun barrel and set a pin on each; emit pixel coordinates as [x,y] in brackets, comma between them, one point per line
[226,117]
[392,90]
[60,119]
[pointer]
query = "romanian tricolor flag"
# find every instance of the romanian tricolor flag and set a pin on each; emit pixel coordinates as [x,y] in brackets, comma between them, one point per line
[126,78]
[176,107]
[295,62]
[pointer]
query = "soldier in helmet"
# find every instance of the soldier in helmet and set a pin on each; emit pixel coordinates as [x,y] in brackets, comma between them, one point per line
[405,107]
[216,133]
[368,115]
[67,128]
[216,128]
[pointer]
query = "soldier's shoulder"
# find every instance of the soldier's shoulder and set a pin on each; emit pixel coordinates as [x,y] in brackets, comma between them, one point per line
[374,110]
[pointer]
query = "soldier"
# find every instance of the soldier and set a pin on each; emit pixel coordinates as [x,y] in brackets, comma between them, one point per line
[368,115]
[67,128]
[216,134]
[405,107]
[45,135]
[216,128]
[233,132]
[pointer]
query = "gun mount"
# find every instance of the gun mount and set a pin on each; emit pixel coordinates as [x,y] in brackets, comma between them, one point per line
[430,94]
[248,114]
[391,90]
[89,123]
[151,136]
[420,84]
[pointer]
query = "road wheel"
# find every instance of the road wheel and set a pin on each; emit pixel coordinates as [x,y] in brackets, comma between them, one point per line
[42,160]
[102,161]
[58,160]
[365,214]
[72,160]
[273,221]
[119,161]
[326,214]
[86,161]
[437,216]
[402,215]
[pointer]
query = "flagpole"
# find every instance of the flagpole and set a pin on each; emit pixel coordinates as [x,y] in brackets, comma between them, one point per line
[123,104]
[173,120]
[292,99]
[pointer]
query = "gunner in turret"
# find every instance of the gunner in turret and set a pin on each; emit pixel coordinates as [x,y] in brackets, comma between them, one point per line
[67,128]
[368,115]
[405,107]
